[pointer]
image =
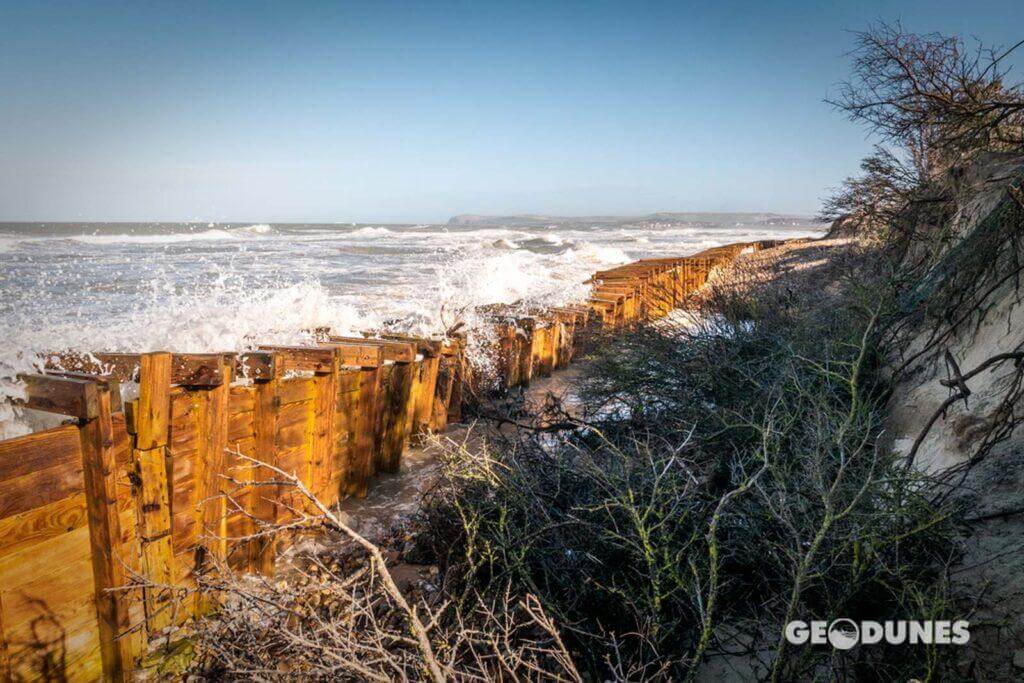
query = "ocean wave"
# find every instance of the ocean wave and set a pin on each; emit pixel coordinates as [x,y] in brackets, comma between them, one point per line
[369,231]
[163,238]
[139,297]
[601,255]
[256,229]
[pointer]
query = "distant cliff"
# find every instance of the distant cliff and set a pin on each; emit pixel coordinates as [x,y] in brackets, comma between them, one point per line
[708,218]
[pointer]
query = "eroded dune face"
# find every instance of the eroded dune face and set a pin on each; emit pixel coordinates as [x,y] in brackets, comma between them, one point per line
[986,220]
[976,445]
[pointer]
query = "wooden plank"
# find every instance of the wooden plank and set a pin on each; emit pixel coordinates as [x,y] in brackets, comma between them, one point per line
[200,369]
[505,334]
[443,392]
[39,487]
[554,341]
[54,447]
[242,399]
[111,382]
[304,358]
[189,369]
[124,366]
[396,351]
[398,438]
[240,425]
[49,612]
[117,646]
[255,365]
[61,395]
[427,347]
[541,366]
[41,523]
[384,415]
[296,390]
[359,354]
[344,418]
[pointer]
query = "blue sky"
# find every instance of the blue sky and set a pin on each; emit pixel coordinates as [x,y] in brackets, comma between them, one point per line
[335,111]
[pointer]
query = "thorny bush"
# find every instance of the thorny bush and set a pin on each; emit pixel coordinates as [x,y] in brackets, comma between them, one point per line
[726,475]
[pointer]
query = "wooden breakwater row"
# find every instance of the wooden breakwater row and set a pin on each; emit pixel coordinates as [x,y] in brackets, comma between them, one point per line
[104,519]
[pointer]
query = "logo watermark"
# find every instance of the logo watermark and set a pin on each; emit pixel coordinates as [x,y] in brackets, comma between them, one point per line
[843,634]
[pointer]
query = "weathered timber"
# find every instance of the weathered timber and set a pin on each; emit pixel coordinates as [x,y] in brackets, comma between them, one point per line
[263,551]
[20,457]
[111,382]
[393,426]
[255,365]
[189,369]
[210,469]
[305,358]
[118,646]
[151,414]
[61,395]
[325,451]
[394,350]
[358,354]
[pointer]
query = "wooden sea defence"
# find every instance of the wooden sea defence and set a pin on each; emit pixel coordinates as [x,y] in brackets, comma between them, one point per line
[109,519]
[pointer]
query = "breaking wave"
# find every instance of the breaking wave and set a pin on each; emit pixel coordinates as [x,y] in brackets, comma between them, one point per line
[231,287]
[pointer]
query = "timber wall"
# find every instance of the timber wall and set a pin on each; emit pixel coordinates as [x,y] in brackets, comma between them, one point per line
[104,522]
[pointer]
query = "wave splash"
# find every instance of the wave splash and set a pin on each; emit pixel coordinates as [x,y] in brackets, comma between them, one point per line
[230,288]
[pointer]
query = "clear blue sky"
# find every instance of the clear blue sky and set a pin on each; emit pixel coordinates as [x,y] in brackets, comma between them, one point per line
[379,111]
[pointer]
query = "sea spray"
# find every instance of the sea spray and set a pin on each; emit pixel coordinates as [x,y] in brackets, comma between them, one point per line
[202,288]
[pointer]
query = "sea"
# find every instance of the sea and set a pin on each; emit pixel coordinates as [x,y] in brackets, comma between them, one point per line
[203,287]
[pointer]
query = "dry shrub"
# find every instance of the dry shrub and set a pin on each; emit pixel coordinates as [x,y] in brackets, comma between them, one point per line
[725,477]
[341,610]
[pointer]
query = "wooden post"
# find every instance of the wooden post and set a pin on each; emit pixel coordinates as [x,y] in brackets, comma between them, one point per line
[364,428]
[397,385]
[526,326]
[358,410]
[554,341]
[118,647]
[345,423]
[506,365]
[443,389]
[426,379]
[264,498]
[543,337]
[151,489]
[325,457]
[454,403]
[211,464]
[425,395]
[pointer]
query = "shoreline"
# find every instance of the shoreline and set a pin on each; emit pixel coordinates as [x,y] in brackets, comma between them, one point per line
[169,475]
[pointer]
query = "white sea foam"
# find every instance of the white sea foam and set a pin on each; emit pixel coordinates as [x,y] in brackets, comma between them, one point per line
[167,238]
[369,231]
[256,229]
[230,288]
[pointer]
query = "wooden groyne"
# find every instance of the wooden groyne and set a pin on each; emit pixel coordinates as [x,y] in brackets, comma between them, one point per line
[104,520]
